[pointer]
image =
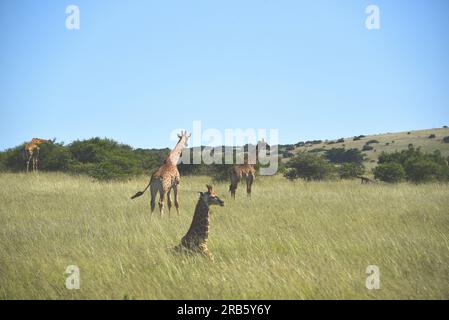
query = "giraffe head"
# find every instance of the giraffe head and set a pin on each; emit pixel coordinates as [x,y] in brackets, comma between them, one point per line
[211,197]
[183,137]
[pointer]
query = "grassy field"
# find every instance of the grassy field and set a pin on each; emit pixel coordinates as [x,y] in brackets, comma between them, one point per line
[292,240]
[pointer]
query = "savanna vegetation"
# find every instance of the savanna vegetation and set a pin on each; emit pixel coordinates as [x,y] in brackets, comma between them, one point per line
[292,240]
[106,159]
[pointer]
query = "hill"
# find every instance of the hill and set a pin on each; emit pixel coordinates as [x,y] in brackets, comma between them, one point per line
[386,142]
[106,159]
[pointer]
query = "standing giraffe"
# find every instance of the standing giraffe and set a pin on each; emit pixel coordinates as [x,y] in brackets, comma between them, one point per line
[31,152]
[196,237]
[246,170]
[166,178]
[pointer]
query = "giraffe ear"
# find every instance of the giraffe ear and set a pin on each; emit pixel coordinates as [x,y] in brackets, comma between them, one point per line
[179,136]
[200,193]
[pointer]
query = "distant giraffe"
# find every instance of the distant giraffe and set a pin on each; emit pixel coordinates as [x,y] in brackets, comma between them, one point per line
[366,180]
[196,237]
[31,152]
[246,170]
[166,178]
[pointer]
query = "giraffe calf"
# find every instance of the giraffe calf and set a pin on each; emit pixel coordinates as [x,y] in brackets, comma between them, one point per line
[196,237]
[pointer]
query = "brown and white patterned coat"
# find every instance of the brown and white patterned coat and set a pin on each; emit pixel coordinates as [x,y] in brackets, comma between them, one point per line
[195,240]
[166,178]
[31,152]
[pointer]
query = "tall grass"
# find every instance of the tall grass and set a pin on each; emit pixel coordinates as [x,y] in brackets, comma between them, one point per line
[292,240]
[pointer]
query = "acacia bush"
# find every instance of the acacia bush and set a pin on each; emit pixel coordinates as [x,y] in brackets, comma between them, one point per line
[350,170]
[367,147]
[341,155]
[389,172]
[103,159]
[417,166]
[309,167]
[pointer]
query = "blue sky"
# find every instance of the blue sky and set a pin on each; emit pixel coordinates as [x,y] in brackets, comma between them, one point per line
[136,70]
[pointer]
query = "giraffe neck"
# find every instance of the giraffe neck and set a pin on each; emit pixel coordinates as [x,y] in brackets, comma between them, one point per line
[199,229]
[175,154]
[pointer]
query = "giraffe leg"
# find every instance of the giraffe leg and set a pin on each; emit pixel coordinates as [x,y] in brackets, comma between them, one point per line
[153,191]
[169,203]
[28,164]
[175,191]
[249,183]
[161,201]
[233,186]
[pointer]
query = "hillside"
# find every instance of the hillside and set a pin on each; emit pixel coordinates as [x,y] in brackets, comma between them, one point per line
[387,142]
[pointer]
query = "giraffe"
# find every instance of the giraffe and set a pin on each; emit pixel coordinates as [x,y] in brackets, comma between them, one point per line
[31,152]
[166,178]
[195,240]
[246,170]
[366,180]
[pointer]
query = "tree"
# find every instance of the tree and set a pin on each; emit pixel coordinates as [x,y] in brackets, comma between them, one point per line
[419,166]
[421,170]
[389,172]
[53,157]
[351,170]
[14,159]
[309,167]
[340,155]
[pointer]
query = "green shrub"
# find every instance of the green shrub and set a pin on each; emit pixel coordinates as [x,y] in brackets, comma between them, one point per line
[389,172]
[340,155]
[314,141]
[309,167]
[3,161]
[421,170]
[53,157]
[290,173]
[367,147]
[351,170]
[446,139]
[418,166]
[14,159]
[432,136]
[287,154]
